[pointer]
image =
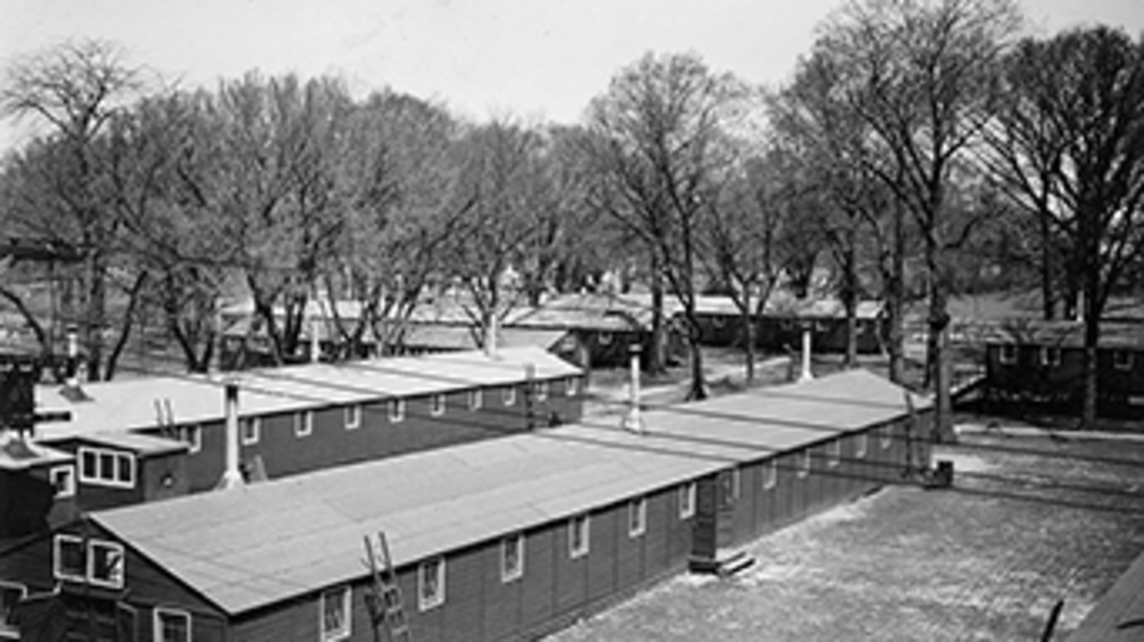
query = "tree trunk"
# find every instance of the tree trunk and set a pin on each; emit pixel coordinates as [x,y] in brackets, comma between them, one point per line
[1091,307]
[895,298]
[850,298]
[655,357]
[1048,302]
[748,335]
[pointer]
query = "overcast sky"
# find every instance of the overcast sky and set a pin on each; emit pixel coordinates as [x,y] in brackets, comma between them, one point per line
[542,59]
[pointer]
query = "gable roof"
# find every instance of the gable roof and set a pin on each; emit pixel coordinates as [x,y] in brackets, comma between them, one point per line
[136,403]
[259,544]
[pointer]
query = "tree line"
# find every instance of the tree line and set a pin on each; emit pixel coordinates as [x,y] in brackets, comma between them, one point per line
[917,148]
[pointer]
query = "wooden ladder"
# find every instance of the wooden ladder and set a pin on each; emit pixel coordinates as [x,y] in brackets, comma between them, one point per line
[386,605]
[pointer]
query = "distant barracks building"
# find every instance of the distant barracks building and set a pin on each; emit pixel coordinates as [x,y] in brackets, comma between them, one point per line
[497,539]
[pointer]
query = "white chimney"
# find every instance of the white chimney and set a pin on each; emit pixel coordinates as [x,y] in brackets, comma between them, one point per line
[73,358]
[232,476]
[806,375]
[632,420]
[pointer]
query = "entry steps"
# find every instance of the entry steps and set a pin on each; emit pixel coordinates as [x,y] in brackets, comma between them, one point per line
[725,564]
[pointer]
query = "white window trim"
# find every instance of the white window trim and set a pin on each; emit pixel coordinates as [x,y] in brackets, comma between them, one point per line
[1007,353]
[604,338]
[396,411]
[304,423]
[120,609]
[10,631]
[423,603]
[351,414]
[347,604]
[69,488]
[887,436]
[637,508]
[507,574]
[508,395]
[1122,360]
[255,423]
[834,453]
[574,524]
[804,463]
[57,572]
[687,496]
[862,445]
[476,399]
[156,625]
[115,583]
[117,456]
[1050,356]
[541,390]
[770,474]
[437,403]
[572,386]
[192,435]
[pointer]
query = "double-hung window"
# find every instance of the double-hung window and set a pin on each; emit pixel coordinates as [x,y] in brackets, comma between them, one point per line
[637,517]
[352,416]
[579,535]
[431,583]
[335,613]
[303,423]
[687,500]
[512,557]
[171,625]
[251,430]
[396,410]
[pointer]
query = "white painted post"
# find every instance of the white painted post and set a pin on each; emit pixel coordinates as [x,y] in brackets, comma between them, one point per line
[231,476]
[633,421]
[806,375]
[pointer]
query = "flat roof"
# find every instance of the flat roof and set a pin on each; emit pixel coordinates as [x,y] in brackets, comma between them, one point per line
[253,546]
[136,403]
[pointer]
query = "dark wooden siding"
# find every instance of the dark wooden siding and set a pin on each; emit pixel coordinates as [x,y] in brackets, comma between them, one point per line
[606,526]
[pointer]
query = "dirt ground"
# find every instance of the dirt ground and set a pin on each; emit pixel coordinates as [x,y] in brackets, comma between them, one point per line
[1030,521]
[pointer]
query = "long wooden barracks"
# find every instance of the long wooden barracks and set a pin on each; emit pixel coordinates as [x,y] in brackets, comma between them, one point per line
[493,540]
[152,439]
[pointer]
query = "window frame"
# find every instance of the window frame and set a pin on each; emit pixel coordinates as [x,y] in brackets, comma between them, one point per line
[116,582]
[540,389]
[437,404]
[508,395]
[637,517]
[250,431]
[156,622]
[123,609]
[69,488]
[771,473]
[396,410]
[571,386]
[351,416]
[1007,354]
[346,598]
[120,461]
[1050,356]
[303,423]
[834,452]
[476,398]
[192,436]
[862,445]
[687,494]
[9,629]
[514,541]
[579,527]
[425,603]
[57,572]
[805,463]
[886,436]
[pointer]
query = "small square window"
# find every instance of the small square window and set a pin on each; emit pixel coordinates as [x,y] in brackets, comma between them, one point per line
[687,500]
[541,388]
[62,478]
[512,557]
[476,399]
[106,564]
[572,386]
[352,416]
[336,614]
[579,535]
[1007,353]
[770,474]
[637,517]
[11,594]
[1050,356]
[396,410]
[834,453]
[303,423]
[437,405]
[887,438]
[860,446]
[1122,359]
[431,583]
[251,430]
[70,558]
[172,625]
[804,463]
[508,395]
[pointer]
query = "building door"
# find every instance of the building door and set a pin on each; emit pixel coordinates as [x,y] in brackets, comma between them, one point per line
[703,526]
[727,493]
